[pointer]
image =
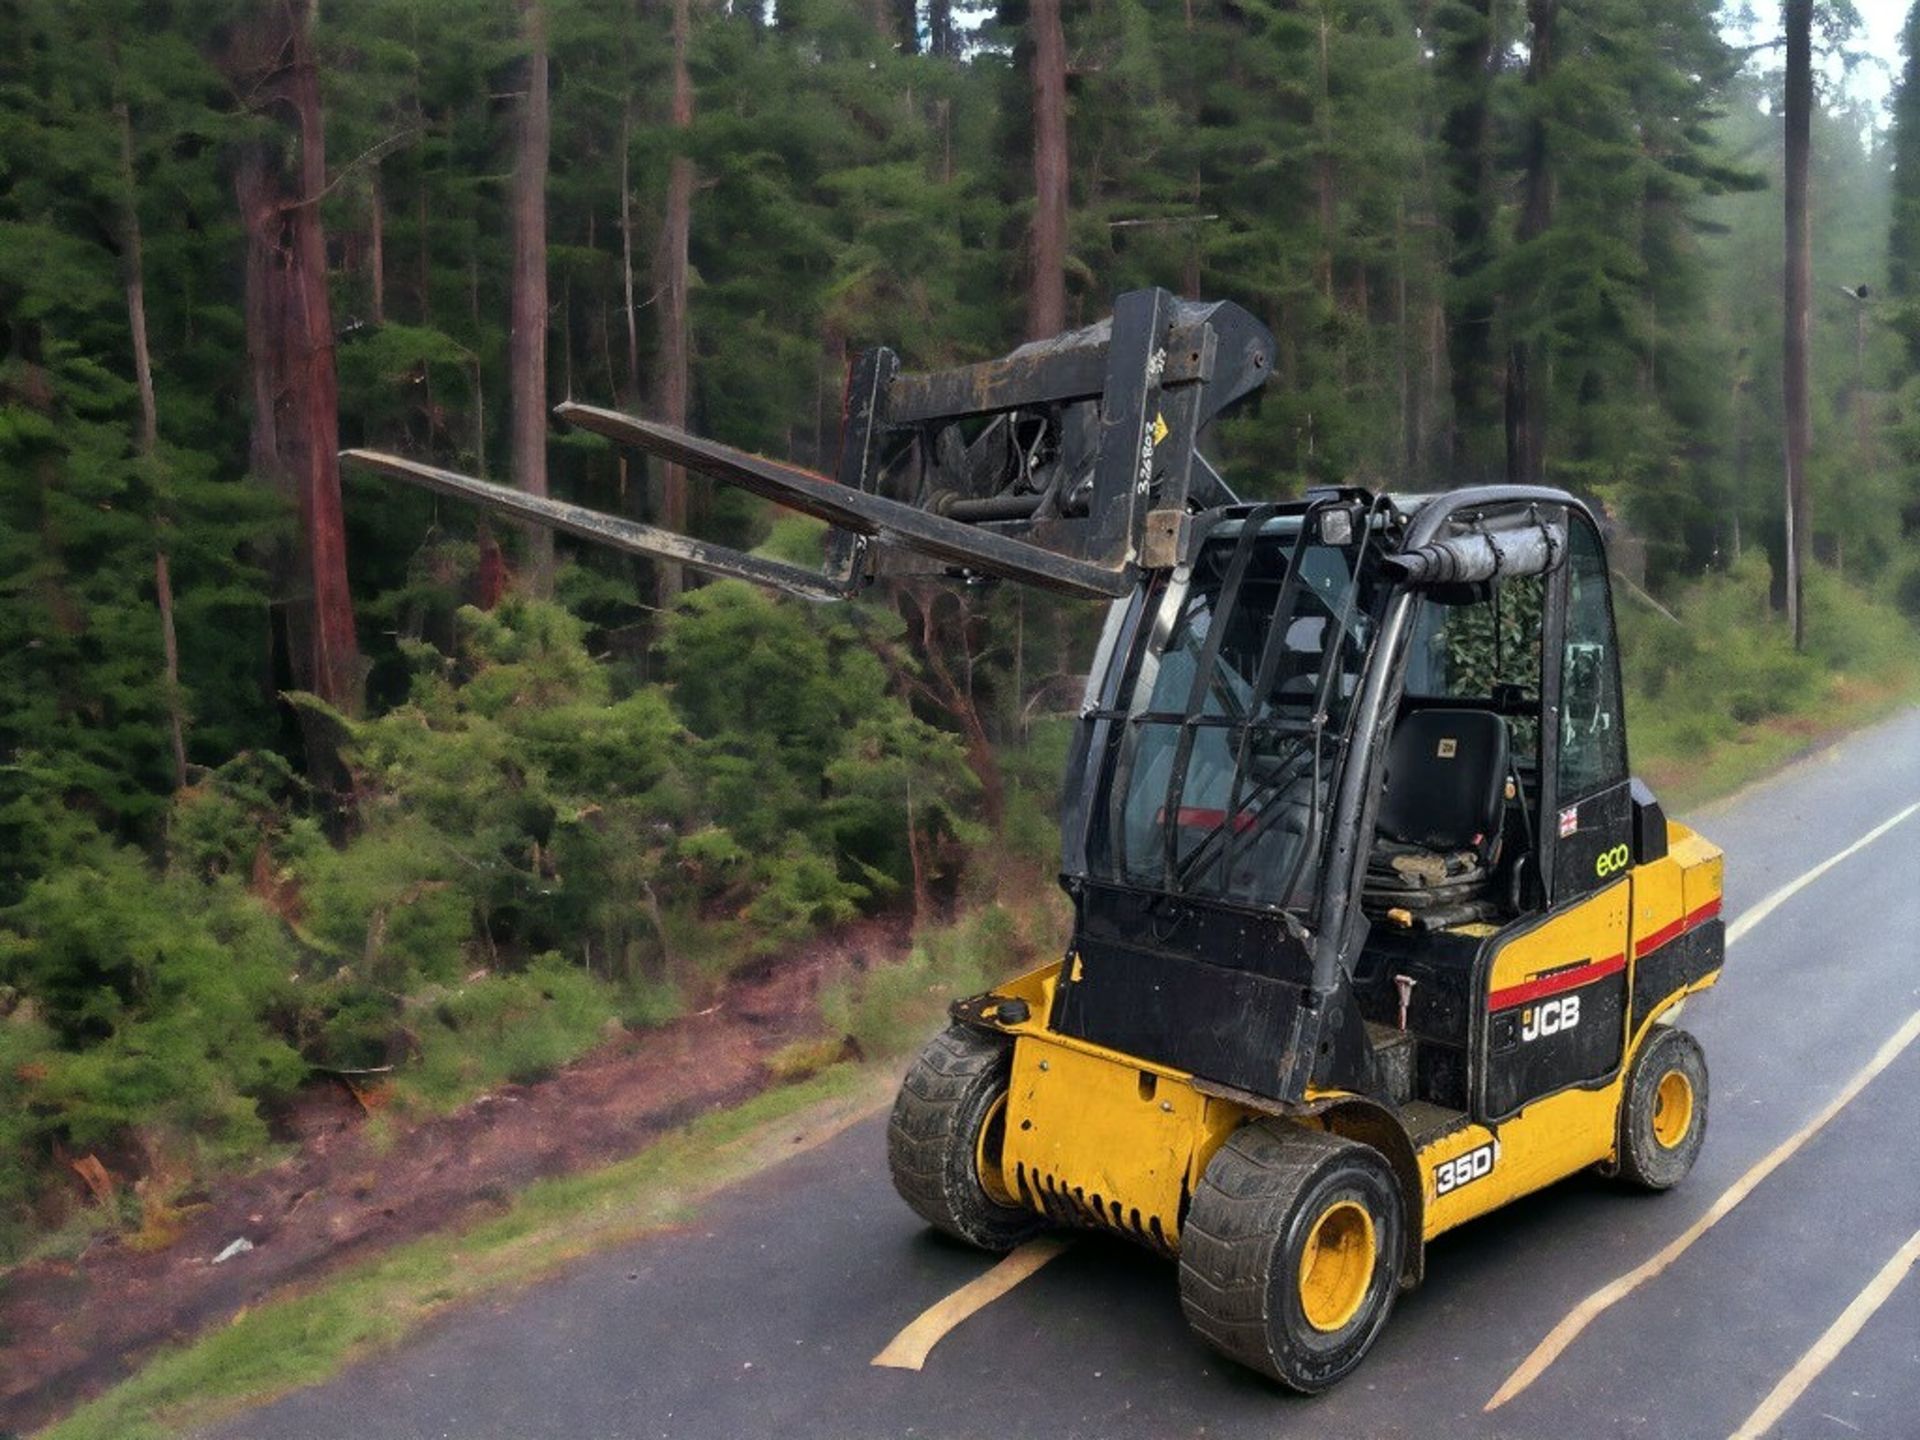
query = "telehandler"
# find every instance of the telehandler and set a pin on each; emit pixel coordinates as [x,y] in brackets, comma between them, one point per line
[1373,931]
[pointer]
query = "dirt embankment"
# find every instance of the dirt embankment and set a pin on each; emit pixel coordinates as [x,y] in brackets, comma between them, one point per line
[69,1329]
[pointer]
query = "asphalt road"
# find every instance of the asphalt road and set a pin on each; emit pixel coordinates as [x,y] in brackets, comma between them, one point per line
[762,1318]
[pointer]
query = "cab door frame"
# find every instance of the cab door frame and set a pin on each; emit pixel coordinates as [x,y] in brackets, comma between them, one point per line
[1560,1025]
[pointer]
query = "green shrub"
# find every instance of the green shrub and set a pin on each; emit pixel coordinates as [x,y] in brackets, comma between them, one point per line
[1849,630]
[892,1007]
[1729,664]
[1902,587]
[803,890]
[148,1007]
[27,1053]
[515,1028]
[537,854]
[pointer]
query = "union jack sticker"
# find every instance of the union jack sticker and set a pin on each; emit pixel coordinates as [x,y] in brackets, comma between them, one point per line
[1569,821]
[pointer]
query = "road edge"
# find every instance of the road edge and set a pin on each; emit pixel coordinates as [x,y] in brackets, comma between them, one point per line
[309,1334]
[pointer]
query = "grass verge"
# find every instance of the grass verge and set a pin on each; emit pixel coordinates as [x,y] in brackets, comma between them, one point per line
[1718,696]
[1721,768]
[309,1334]
[302,1338]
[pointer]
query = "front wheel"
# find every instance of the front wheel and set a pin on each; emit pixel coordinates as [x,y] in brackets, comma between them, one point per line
[943,1141]
[1663,1110]
[1290,1255]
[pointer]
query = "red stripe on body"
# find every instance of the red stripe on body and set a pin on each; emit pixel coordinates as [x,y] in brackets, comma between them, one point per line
[1554,984]
[1599,970]
[1679,927]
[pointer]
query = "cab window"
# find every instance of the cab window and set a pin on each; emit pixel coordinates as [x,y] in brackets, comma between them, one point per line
[1593,752]
[1485,653]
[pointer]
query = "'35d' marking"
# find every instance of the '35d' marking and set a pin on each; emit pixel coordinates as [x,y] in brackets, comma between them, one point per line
[1475,1164]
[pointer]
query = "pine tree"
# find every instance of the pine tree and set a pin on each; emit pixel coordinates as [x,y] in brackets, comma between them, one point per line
[527,343]
[1797,294]
[290,344]
[1903,251]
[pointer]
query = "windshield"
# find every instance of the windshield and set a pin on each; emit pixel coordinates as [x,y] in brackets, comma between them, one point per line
[1232,718]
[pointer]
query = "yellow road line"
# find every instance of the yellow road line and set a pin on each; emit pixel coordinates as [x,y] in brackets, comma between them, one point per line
[1591,1308]
[1786,892]
[909,1349]
[1837,1337]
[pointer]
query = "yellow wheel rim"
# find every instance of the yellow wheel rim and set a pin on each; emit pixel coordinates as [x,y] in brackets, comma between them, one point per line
[986,1153]
[1336,1267]
[1672,1109]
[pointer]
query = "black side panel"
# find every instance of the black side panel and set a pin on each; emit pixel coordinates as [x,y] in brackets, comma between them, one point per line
[1228,1026]
[1543,1045]
[1440,1009]
[1137,985]
[1681,961]
[1593,843]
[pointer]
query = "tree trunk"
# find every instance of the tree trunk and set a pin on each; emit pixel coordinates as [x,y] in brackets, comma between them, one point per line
[134,265]
[255,193]
[670,282]
[376,249]
[922,892]
[942,39]
[527,342]
[424,257]
[295,438]
[170,667]
[626,250]
[1903,235]
[1736,404]
[134,268]
[1323,169]
[1798,296]
[1466,56]
[315,389]
[905,26]
[1047,282]
[1526,367]
[1403,344]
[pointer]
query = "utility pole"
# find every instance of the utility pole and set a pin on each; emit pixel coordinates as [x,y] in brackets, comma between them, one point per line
[1797,297]
[1862,439]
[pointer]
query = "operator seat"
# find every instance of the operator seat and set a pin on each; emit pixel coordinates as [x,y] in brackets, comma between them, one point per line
[1437,837]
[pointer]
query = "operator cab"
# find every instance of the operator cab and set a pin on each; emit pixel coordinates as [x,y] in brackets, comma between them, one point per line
[1504,790]
[1337,754]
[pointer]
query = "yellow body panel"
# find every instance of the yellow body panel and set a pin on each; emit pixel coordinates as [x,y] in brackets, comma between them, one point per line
[1105,1140]
[1562,1134]
[1548,1141]
[1659,898]
[1702,869]
[1111,1139]
[1593,931]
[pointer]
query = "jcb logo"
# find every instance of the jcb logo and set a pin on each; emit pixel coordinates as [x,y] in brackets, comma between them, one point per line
[1612,862]
[1550,1017]
[1450,1175]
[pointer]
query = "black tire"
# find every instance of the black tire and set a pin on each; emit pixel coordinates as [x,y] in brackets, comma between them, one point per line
[1267,1193]
[1663,1110]
[954,1090]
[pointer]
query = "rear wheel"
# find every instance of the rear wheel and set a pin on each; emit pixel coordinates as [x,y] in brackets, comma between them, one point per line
[1290,1255]
[1663,1110]
[943,1142]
